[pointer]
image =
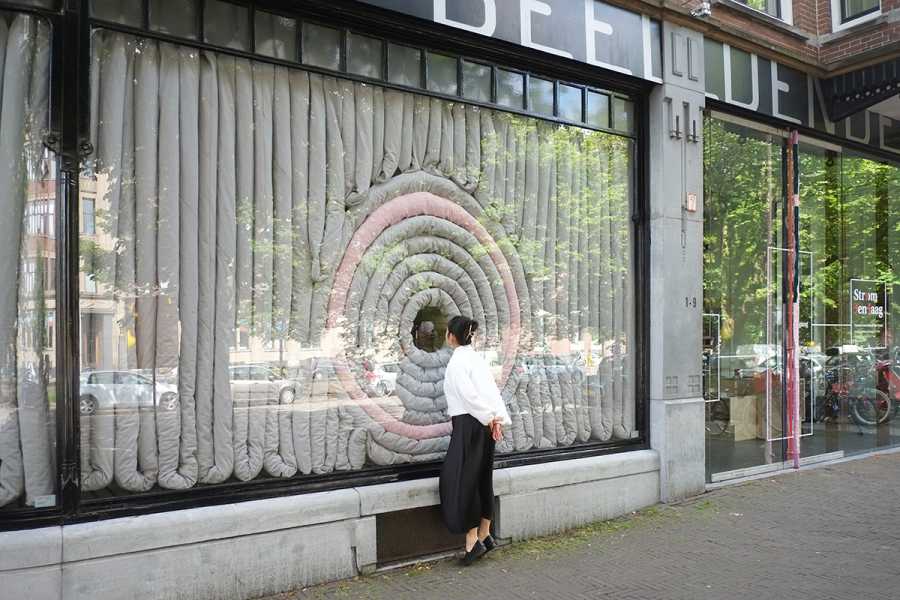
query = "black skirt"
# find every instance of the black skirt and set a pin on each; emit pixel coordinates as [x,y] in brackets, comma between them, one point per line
[467,476]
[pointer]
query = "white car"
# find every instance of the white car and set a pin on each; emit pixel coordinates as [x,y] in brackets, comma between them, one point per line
[105,391]
[259,383]
[383,378]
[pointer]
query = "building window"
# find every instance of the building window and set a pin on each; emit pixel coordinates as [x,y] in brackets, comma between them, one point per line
[304,317]
[854,9]
[39,216]
[770,7]
[88,224]
[89,285]
[28,276]
[51,329]
[49,274]
[849,13]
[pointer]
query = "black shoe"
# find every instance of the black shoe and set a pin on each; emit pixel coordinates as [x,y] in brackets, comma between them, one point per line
[474,554]
[489,543]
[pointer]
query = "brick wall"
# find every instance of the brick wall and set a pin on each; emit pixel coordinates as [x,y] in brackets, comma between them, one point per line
[845,48]
[809,40]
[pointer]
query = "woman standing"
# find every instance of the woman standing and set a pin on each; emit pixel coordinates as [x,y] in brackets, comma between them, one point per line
[477,412]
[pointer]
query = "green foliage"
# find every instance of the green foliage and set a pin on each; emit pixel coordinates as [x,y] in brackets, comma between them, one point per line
[849,222]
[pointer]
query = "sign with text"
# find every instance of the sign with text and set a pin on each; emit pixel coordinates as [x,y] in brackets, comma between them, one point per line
[584,30]
[868,311]
[749,81]
[621,40]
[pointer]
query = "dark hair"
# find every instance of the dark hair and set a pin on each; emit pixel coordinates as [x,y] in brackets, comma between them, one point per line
[463,328]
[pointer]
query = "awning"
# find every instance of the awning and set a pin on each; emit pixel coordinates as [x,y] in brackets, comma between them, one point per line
[858,90]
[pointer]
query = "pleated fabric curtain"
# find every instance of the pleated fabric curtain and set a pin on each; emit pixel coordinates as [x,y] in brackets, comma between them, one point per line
[27,433]
[232,190]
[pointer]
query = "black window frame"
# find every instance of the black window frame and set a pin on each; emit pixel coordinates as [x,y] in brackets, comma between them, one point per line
[71,31]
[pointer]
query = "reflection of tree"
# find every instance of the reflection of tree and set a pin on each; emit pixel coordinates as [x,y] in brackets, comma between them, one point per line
[848,221]
[742,183]
[556,230]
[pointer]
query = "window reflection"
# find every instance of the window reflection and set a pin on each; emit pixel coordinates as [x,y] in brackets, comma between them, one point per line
[847,266]
[268,297]
[27,266]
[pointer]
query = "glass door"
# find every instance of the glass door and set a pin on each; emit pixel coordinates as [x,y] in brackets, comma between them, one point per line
[743,260]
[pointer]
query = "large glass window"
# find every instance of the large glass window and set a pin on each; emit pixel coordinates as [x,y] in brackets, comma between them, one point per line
[850,378]
[274,269]
[27,252]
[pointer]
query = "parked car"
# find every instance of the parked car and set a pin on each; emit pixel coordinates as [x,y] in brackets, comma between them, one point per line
[545,363]
[259,383]
[382,377]
[809,367]
[103,391]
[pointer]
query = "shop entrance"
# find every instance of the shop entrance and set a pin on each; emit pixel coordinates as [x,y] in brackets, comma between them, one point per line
[845,353]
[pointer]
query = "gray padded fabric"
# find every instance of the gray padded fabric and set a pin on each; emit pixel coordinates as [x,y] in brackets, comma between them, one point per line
[235,188]
[249,432]
[414,417]
[282,190]
[301,279]
[279,459]
[364,291]
[356,448]
[171,145]
[14,85]
[136,464]
[38,457]
[146,116]
[424,225]
[263,217]
[178,467]
[417,373]
[301,416]
[402,282]
[221,249]
[97,439]
[26,451]
[362,168]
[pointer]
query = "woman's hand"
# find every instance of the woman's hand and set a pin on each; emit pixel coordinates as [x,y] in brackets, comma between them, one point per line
[496,429]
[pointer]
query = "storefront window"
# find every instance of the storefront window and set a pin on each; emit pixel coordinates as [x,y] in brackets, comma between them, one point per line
[277,253]
[847,263]
[27,250]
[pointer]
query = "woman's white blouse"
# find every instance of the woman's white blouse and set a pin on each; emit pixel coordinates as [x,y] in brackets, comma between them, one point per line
[470,388]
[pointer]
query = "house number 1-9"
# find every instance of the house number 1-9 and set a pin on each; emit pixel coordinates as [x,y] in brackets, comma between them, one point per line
[690,301]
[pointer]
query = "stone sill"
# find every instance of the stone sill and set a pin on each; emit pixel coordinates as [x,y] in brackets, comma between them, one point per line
[84,541]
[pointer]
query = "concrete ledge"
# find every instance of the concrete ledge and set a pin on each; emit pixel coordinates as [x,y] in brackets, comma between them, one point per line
[404,495]
[34,584]
[555,474]
[148,532]
[553,510]
[255,548]
[234,568]
[31,548]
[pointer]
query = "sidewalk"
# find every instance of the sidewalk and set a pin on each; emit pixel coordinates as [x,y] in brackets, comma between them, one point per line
[826,533]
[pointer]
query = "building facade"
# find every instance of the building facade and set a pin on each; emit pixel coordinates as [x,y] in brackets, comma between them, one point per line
[236,230]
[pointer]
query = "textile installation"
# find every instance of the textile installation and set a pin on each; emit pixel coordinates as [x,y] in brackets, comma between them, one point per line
[27,453]
[249,213]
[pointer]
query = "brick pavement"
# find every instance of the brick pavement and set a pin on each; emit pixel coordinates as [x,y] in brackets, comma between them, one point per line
[826,533]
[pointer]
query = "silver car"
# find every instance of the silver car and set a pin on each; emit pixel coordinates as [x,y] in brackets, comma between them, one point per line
[108,391]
